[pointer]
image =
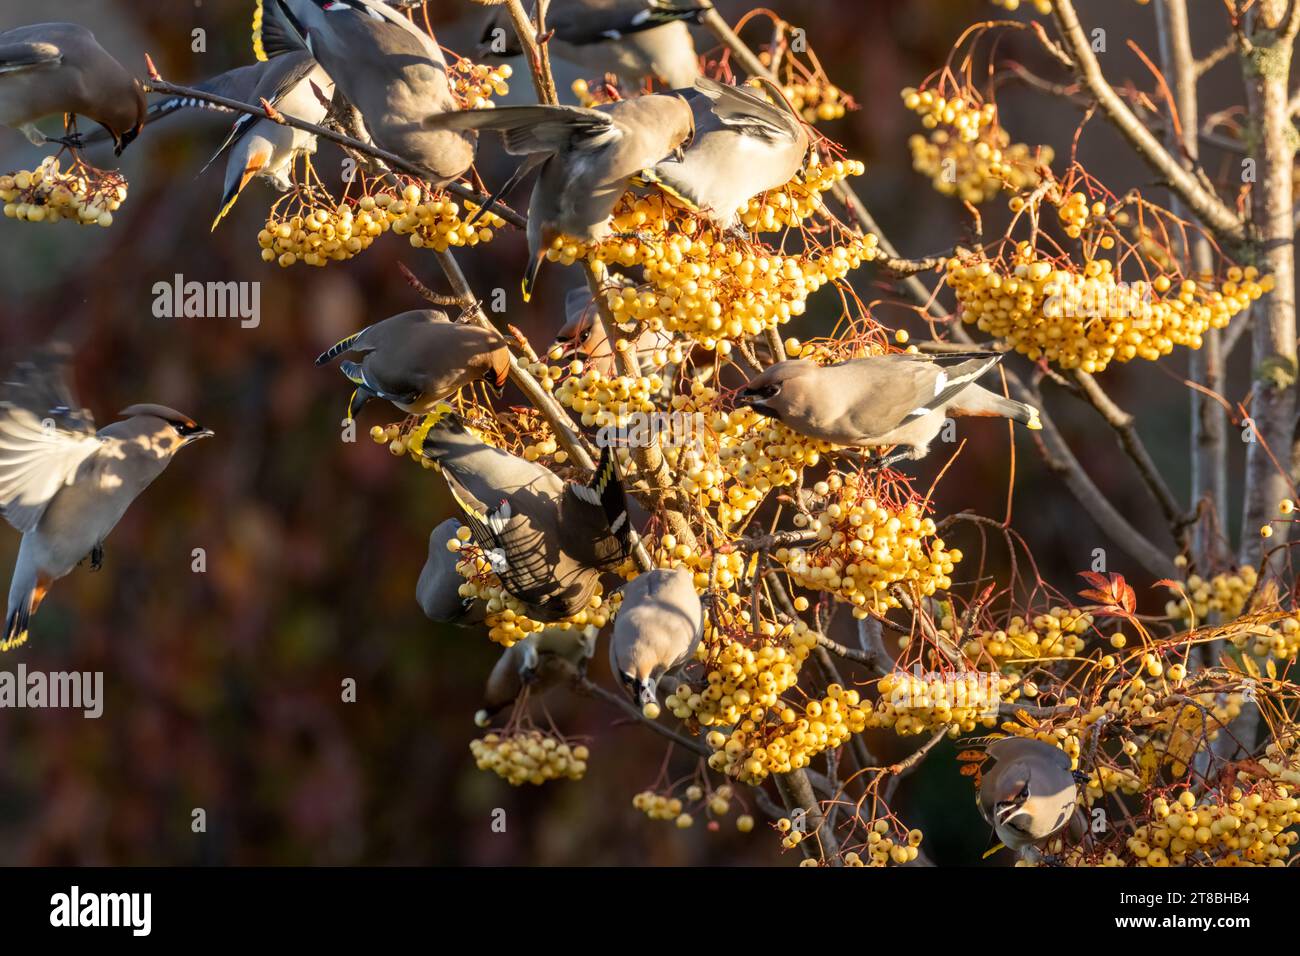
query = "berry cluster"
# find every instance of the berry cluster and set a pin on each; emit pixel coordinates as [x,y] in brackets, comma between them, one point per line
[434,221]
[49,193]
[865,545]
[474,84]
[1086,317]
[529,756]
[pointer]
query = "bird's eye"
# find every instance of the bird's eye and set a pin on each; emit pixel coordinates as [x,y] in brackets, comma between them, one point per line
[762,391]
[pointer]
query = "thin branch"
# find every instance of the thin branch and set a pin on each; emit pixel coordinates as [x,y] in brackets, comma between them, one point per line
[392,160]
[1212,210]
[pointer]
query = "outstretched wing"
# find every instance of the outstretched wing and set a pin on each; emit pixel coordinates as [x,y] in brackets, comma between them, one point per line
[44,438]
[746,111]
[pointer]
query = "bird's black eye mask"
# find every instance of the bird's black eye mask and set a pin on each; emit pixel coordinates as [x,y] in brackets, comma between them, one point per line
[186,429]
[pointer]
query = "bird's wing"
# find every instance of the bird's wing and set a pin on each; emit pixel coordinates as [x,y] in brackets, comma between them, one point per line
[527,130]
[273,83]
[579,24]
[44,438]
[596,513]
[746,111]
[509,541]
[17,57]
[960,372]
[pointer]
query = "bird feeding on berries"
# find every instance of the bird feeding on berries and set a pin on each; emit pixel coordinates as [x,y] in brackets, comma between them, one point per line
[900,399]
[59,68]
[415,359]
[65,485]
[743,147]
[1030,794]
[658,627]
[547,540]
[585,157]
[539,661]
[633,39]
[391,71]
[438,589]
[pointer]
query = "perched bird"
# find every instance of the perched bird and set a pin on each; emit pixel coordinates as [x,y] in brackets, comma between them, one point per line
[583,338]
[658,627]
[390,70]
[64,485]
[539,662]
[438,589]
[899,399]
[1030,793]
[547,540]
[633,39]
[262,148]
[259,147]
[52,68]
[743,146]
[586,158]
[416,358]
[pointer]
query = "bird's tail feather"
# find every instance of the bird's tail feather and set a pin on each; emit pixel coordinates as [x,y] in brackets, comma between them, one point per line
[18,621]
[337,349]
[530,276]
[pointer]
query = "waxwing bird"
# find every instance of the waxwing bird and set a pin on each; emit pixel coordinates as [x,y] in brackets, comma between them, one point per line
[538,662]
[394,73]
[584,338]
[438,589]
[417,358]
[899,399]
[658,627]
[633,39]
[586,158]
[743,146]
[59,68]
[259,147]
[65,485]
[547,540]
[1030,794]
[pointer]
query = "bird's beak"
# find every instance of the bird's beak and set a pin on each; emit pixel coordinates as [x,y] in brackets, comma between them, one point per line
[126,139]
[645,692]
[202,433]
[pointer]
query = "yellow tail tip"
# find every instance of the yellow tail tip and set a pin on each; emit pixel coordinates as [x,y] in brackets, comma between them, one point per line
[18,640]
[1034,424]
[995,848]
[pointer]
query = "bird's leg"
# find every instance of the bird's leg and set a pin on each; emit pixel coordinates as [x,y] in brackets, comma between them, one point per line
[882,463]
[72,141]
[97,557]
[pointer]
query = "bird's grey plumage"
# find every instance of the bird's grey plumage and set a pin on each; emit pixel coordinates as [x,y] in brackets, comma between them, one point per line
[259,147]
[64,485]
[584,338]
[548,540]
[658,627]
[743,146]
[539,662]
[48,69]
[633,39]
[1029,794]
[899,399]
[586,157]
[416,358]
[394,73]
[438,589]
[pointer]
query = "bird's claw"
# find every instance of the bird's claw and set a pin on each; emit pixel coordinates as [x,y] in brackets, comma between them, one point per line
[70,141]
[96,557]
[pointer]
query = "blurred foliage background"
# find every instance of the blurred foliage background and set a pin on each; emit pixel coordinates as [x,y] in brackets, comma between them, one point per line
[223,688]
